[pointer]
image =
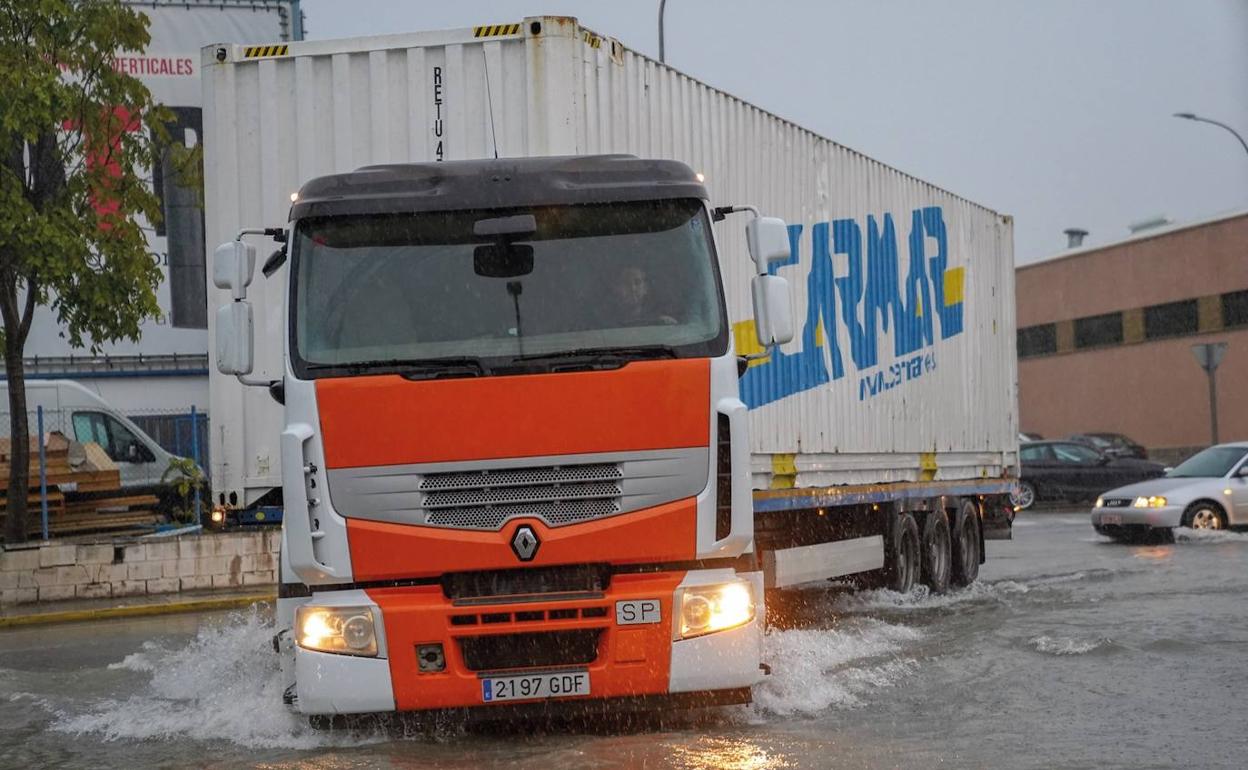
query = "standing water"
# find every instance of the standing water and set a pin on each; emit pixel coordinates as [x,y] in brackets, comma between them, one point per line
[1070,652]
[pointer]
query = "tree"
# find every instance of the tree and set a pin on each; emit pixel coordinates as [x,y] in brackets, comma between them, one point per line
[76,138]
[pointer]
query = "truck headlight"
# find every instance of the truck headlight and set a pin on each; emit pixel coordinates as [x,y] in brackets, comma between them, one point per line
[343,630]
[1149,502]
[707,609]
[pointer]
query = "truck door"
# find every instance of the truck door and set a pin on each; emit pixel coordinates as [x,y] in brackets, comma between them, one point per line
[136,463]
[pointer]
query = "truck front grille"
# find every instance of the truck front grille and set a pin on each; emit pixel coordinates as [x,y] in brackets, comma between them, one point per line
[534,650]
[486,499]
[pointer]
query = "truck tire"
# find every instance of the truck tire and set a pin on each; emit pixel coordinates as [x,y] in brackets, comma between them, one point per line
[936,551]
[902,562]
[967,546]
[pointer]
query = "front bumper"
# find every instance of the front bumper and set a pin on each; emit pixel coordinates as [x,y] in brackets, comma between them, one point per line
[1158,518]
[631,661]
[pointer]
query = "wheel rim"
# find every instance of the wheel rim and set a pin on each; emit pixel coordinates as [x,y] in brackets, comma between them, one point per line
[1206,518]
[1024,497]
[938,553]
[907,564]
[970,544]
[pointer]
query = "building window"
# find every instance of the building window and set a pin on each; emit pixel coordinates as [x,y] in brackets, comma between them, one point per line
[1037,340]
[1098,330]
[1235,309]
[1171,319]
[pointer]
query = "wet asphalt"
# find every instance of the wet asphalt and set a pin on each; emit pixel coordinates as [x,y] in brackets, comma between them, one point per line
[1070,652]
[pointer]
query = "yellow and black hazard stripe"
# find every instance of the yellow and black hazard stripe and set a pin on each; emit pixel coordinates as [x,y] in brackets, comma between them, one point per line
[263,51]
[496,30]
[591,40]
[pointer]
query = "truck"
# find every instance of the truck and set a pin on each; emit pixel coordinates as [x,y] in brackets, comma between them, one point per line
[565,362]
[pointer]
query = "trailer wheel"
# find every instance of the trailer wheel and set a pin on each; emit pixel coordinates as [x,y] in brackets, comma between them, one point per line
[966,551]
[936,551]
[901,564]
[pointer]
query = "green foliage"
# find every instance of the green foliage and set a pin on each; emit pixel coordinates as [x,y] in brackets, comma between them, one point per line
[76,139]
[186,481]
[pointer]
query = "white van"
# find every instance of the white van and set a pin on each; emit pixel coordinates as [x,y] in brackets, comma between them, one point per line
[83,416]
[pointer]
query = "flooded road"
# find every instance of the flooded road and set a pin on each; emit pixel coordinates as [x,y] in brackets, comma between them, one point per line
[1070,652]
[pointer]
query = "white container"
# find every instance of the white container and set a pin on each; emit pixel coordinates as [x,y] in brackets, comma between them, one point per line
[546,86]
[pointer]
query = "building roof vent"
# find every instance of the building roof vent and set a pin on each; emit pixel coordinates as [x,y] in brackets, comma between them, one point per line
[1074,237]
[1148,224]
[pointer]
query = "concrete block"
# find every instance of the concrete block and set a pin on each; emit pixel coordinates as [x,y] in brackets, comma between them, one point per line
[160,551]
[190,547]
[265,562]
[246,562]
[144,570]
[61,576]
[13,596]
[196,582]
[265,578]
[179,568]
[129,588]
[273,540]
[108,573]
[164,586]
[227,581]
[212,565]
[134,553]
[93,591]
[253,543]
[25,560]
[56,593]
[11,580]
[57,555]
[95,554]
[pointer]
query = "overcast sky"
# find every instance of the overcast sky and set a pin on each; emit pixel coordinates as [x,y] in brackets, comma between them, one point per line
[1058,112]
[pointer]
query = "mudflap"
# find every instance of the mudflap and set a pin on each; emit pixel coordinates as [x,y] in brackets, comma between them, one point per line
[998,519]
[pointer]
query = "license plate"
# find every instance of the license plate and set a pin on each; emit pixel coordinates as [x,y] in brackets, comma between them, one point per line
[1111,518]
[632,612]
[535,686]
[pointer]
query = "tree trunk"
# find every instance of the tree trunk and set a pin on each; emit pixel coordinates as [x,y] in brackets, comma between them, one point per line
[19,439]
[16,317]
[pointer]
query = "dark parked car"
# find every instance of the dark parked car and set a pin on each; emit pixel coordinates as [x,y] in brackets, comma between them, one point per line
[1071,471]
[1114,444]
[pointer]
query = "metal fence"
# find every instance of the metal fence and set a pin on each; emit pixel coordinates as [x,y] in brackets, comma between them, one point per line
[180,432]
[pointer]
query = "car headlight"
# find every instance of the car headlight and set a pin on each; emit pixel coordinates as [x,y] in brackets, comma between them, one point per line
[1149,502]
[343,630]
[707,609]
[1100,502]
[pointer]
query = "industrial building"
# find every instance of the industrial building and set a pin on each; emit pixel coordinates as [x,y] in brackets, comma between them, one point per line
[1105,337]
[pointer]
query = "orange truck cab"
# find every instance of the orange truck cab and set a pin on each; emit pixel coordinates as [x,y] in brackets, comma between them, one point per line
[514,460]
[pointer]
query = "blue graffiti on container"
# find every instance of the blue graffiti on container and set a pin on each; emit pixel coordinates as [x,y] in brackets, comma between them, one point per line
[871,296]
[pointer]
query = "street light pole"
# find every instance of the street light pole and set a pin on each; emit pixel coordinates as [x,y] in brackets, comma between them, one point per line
[662,7]
[1209,356]
[1188,116]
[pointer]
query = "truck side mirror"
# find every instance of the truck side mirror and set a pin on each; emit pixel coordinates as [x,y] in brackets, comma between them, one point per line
[768,239]
[232,266]
[234,338]
[773,310]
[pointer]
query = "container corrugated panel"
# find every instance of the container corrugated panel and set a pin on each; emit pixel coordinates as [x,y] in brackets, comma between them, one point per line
[903,367]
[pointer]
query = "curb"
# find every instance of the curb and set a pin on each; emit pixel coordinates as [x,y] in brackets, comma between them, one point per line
[134,611]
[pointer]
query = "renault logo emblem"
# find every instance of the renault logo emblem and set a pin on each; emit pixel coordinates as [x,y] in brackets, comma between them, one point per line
[524,543]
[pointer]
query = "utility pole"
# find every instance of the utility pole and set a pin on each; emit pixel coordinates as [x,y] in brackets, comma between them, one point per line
[1209,355]
[662,7]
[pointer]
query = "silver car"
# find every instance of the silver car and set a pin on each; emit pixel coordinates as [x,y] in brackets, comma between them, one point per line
[1208,491]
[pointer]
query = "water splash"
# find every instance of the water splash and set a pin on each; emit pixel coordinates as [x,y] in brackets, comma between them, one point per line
[224,685]
[1063,645]
[1185,536]
[921,598]
[817,669]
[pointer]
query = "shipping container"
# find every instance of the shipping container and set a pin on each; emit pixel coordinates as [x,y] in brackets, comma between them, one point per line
[903,367]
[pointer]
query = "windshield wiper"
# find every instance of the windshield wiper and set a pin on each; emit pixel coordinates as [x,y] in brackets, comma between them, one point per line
[594,355]
[412,368]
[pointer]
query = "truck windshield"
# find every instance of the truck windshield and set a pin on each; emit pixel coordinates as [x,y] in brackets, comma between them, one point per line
[386,292]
